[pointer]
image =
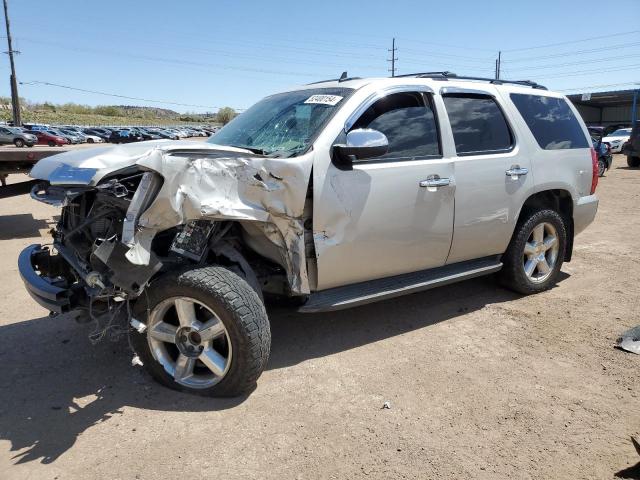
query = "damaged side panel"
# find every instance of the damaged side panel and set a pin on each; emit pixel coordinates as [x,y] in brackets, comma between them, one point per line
[268,193]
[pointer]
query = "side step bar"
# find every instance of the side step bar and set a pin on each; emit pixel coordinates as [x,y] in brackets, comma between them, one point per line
[381,289]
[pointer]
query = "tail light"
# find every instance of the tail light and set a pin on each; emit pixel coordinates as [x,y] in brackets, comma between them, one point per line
[594,173]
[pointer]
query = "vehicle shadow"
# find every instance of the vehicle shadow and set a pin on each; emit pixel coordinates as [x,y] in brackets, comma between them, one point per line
[22,225]
[55,385]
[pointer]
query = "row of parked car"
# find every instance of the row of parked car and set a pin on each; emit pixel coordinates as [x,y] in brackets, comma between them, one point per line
[32,134]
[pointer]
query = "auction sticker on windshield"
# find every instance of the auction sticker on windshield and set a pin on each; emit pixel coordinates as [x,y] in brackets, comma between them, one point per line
[324,99]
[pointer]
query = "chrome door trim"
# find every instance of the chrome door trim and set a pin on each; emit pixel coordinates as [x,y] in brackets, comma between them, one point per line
[377,95]
[471,91]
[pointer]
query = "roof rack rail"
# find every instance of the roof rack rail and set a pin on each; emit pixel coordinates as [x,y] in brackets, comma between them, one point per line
[343,78]
[495,81]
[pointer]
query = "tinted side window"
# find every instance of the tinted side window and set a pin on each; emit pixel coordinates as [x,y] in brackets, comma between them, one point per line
[551,121]
[408,121]
[478,124]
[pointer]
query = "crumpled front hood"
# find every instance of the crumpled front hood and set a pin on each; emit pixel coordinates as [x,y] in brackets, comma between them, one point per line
[87,166]
[201,180]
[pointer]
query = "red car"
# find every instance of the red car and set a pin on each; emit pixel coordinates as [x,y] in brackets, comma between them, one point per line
[46,138]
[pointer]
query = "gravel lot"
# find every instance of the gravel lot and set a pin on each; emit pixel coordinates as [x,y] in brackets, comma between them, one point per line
[482,383]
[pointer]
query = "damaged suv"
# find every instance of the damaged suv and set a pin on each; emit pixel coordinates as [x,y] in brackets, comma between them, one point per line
[333,195]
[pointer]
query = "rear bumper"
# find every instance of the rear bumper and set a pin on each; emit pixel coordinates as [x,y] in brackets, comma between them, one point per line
[584,212]
[48,292]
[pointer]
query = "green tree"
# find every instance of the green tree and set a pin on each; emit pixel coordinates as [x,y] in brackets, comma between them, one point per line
[225,115]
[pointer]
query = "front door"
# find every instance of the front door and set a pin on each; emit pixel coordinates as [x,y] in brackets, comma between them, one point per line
[387,216]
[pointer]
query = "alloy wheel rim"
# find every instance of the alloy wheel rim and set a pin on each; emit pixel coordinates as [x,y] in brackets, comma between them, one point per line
[190,342]
[540,252]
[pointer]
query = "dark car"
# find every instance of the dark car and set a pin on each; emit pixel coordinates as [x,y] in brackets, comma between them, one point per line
[47,138]
[632,148]
[59,133]
[165,134]
[125,135]
[605,159]
[147,135]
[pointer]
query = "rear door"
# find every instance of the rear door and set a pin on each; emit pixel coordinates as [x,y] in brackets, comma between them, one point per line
[493,173]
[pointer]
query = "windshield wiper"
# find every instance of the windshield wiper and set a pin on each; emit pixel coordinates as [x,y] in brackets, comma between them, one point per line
[257,151]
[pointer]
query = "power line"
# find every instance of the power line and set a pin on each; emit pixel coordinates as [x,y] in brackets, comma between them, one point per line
[606,85]
[38,82]
[579,52]
[572,41]
[594,72]
[582,62]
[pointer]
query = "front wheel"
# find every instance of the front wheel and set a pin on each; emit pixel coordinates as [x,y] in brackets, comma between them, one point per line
[535,254]
[207,332]
[18,142]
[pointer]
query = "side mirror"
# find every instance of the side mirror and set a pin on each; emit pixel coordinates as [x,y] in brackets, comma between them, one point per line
[362,143]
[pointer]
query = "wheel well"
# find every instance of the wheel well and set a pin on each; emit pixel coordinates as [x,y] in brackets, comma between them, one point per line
[558,200]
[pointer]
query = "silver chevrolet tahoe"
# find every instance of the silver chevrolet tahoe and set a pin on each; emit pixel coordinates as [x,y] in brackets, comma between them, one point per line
[329,196]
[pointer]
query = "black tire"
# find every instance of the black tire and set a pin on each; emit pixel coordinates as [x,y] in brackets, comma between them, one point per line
[18,142]
[633,162]
[51,143]
[602,167]
[513,274]
[89,140]
[238,307]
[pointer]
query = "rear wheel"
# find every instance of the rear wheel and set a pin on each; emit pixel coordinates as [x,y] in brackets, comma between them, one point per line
[535,254]
[633,162]
[207,332]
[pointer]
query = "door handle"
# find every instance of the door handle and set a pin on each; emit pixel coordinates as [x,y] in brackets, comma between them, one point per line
[435,181]
[516,171]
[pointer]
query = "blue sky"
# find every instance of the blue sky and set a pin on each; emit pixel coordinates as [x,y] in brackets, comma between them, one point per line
[232,53]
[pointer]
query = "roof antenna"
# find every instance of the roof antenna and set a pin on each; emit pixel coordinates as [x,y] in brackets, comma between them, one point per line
[343,77]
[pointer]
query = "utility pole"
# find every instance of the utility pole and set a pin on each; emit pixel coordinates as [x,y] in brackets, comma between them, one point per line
[15,100]
[393,57]
[498,61]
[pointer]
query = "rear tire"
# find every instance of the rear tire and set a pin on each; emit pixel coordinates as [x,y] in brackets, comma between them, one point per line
[220,298]
[535,254]
[633,162]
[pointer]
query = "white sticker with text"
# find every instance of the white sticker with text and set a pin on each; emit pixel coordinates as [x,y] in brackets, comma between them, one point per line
[324,99]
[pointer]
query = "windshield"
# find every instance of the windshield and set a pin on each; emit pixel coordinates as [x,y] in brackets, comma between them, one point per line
[284,124]
[623,132]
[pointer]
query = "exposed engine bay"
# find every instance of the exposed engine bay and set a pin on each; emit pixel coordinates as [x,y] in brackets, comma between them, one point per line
[89,255]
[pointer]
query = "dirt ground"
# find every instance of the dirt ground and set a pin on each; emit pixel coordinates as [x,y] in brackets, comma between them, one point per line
[482,383]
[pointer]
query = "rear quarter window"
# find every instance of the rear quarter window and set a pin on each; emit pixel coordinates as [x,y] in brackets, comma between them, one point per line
[551,121]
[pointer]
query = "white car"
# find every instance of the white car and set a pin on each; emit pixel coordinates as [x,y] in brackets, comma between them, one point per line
[334,195]
[616,139]
[93,138]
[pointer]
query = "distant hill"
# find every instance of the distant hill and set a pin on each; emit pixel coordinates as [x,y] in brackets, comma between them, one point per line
[134,110]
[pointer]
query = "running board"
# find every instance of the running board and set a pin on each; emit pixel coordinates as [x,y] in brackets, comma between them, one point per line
[372,291]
